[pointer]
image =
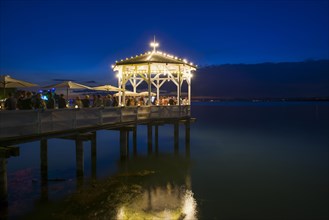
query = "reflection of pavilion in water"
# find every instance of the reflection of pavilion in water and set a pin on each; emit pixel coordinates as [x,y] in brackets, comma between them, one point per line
[166,192]
[166,189]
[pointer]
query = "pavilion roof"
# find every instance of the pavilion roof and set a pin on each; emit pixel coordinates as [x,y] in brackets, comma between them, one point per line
[154,57]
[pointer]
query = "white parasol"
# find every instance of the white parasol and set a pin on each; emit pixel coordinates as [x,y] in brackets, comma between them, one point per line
[7,82]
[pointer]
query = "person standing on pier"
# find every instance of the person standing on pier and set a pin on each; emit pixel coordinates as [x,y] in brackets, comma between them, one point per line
[39,102]
[86,102]
[27,102]
[78,102]
[61,101]
[11,102]
[51,101]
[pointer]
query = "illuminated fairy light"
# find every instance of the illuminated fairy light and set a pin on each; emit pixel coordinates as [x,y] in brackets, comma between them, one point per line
[155,44]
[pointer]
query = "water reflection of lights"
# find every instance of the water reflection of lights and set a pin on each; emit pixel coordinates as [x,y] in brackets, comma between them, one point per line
[161,203]
[189,205]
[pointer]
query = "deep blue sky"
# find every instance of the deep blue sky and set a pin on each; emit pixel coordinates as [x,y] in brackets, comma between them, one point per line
[42,40]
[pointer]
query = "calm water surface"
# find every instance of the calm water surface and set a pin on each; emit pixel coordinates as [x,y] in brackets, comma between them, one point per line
[246,161]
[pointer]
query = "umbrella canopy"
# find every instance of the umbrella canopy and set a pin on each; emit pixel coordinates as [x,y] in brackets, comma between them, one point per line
[8,82]
[107,88]
[127,93]
[68,85]
[146,93]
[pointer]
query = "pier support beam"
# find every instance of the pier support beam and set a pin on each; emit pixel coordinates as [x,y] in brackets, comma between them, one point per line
[149,139]
[44,169]
[187,138]
[3,183]
[93,156]
[156,131]
[124,143]
[5,152]
[79,161]
[176,137]
[135,140]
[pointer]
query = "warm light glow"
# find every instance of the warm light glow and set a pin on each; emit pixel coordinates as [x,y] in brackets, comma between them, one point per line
[121,214]
[182,207]
[154,45]
[189,205]
[118,75]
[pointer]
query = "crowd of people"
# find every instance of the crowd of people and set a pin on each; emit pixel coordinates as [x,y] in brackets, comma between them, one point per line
[25,100]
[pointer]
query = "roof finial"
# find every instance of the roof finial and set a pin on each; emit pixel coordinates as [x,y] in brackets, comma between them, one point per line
[154,44]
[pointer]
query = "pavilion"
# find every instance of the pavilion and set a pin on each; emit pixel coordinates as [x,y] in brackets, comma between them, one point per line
[155,68]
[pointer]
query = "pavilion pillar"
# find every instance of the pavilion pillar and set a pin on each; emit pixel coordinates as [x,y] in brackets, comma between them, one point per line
[179,86]
[134,81]
[123,103]
[120,86]
[149,84]
[189,89]
[158,90]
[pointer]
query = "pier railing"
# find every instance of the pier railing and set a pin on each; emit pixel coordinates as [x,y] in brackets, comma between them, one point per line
[37,122]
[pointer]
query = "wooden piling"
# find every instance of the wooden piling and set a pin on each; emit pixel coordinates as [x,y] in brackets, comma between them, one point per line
[135,140]
[176,137]
[156,131]
[123,144]
[187,138]
[149,139]
[93,156]
[3,183]
[44,169]
[79,161]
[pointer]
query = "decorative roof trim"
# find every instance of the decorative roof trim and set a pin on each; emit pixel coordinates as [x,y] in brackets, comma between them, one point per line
[154,57]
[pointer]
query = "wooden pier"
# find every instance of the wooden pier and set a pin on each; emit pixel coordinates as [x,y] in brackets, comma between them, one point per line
[81,125]
[16,126]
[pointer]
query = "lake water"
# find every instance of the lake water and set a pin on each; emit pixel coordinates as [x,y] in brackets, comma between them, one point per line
[263,160]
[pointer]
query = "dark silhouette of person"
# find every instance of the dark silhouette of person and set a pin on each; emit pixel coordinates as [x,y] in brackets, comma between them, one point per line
[39,102]
[27,101]
[61,101]
[20,100]
[11,102]
[86,102]
[50,101]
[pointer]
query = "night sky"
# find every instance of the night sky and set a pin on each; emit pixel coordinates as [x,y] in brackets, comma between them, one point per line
[79,40]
